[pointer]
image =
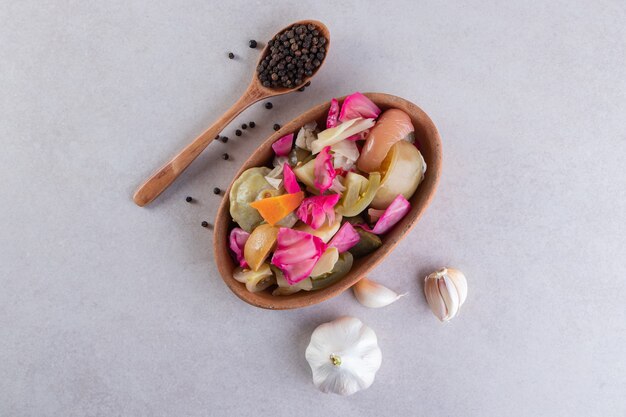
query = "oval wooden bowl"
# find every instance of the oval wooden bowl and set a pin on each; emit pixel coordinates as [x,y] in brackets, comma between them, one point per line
[430,146]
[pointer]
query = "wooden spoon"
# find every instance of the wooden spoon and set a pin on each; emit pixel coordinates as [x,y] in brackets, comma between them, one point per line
[166,175]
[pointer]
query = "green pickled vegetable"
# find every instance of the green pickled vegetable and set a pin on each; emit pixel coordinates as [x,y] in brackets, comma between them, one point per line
[298,155]
[368,243]
[306,175]
[359,193]
[340,270]
[283,286]
[245,190]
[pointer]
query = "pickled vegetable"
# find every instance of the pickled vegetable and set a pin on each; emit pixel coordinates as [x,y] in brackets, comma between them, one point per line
[288,221]
[274,209]
[298,154]
[369,243]
[340,270]
[258,283]
[392,126]
[325,232]
[255,280]
[326,262]
[306,135]
[270,192]
[403,169]
[245,190]
[334,135]
[306,175]
[359,193]
[283,286]
[261,242]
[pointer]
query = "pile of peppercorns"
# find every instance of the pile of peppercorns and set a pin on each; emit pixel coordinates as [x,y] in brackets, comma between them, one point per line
[294,54]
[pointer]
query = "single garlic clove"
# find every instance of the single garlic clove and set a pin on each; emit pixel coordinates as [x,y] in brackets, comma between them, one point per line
[434,299]
[445,291]
[460,282]
[449,295]
[374,295]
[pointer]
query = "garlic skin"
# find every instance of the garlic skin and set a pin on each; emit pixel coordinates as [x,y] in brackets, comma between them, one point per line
[344,356]
[445,291]
[374,295]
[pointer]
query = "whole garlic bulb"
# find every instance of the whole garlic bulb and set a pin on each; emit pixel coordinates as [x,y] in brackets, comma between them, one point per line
[344,356]
[446,291]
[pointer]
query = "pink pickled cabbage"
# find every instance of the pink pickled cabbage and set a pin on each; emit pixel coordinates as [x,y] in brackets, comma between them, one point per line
[289,180]
[323,170]
[315,210]
[345,238]
[357,105]
[297,253]
[333,112]
[238,238]
[398,208]
[282,146]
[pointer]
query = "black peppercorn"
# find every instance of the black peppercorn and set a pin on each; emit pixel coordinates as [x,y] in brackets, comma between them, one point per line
[297,49]
[244,126]
[188,199]
[224,139]
[225,156]
[205,224]
[252,124]
[231,55]
[301,89]
[217,137]
[252,43]
[238,132]
[268,105]
[308,83]
[216,190]
[276,126]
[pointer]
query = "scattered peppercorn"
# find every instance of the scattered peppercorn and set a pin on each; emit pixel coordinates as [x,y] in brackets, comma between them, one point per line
[244,126]
[301,89]
[276,126]
[224,139]
[252,43]
[225,156]
[188,199]
[252,125]
[216,190]
[231,55]
[238,132]
[308,83]
[269,105]
[217,137]
[294,54]
[205,224]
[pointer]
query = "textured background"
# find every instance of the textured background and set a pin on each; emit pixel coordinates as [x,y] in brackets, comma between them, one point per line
[107,309]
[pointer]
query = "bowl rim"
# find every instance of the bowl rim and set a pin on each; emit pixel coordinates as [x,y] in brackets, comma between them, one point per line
[309,298]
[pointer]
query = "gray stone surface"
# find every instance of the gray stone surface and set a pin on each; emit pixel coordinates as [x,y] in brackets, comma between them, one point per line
[107,309]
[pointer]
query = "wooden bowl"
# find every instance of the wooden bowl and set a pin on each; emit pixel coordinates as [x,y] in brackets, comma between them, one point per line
[430,146]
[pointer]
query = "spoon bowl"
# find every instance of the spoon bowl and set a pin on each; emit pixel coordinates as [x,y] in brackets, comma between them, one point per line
[429,143]
[271,92]
[165,176]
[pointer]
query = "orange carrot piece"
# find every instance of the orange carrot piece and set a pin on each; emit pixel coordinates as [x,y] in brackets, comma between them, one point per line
[274,209]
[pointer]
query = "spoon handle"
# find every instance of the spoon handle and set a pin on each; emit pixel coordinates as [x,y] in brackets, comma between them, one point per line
[165,176]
